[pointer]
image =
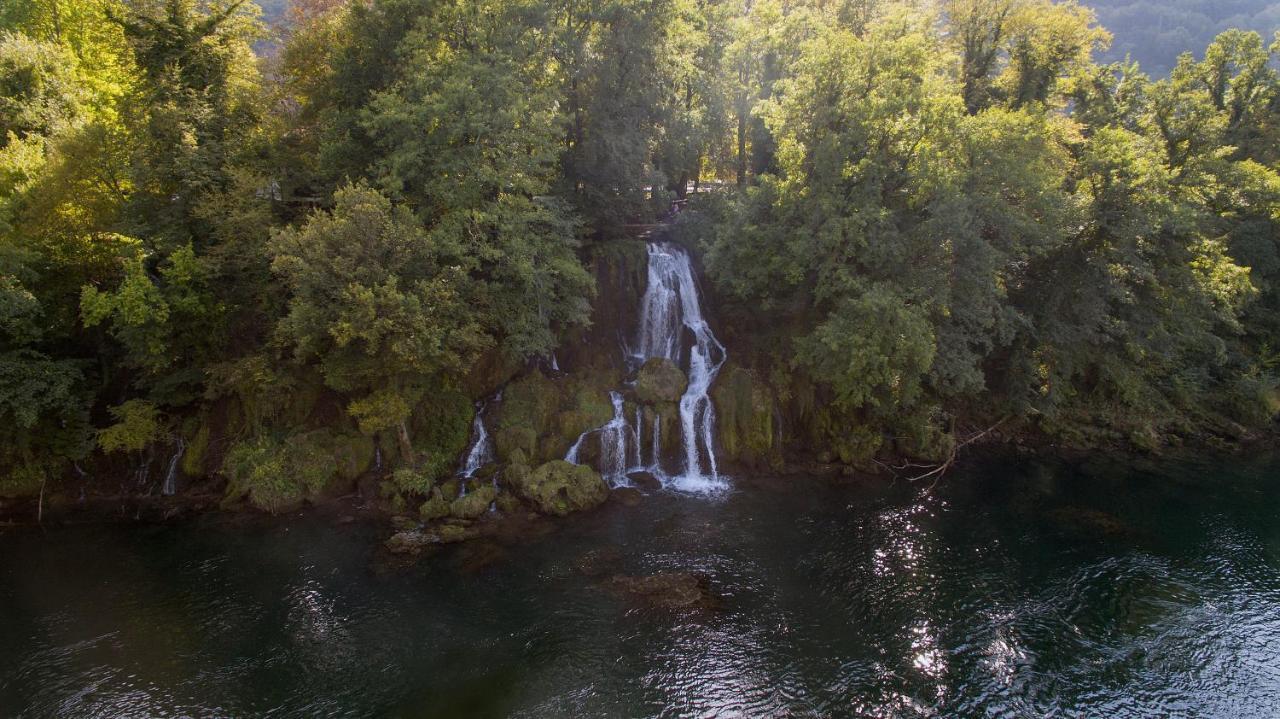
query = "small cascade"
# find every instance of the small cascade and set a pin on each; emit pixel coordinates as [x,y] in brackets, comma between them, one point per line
[481,452]
[377,457]
[170,486]
[671,307]
[670,315]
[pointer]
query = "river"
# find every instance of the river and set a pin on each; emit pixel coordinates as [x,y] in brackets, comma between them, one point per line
[1013,588]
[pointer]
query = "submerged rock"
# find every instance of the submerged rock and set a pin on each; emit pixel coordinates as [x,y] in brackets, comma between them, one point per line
[660,380]
[626,496]
[667,590]
[598,561]
[559,487]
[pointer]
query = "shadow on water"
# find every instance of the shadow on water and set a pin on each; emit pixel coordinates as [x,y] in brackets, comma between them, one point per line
[1015,588]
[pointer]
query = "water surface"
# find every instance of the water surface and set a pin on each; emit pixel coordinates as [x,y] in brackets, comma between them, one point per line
[1013,589]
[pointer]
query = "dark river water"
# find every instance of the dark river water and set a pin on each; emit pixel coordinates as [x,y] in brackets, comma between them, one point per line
[1012,589]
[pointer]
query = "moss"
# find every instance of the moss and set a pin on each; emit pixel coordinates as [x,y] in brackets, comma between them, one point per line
[197,452]
[660,380]
[541,418]
[746,416]
[436,507]
[440,430]
[560,488]
[510,440]
[474,503]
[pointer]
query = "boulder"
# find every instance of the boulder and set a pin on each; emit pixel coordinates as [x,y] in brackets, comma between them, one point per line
[474,503]
[659,381]
[645,481]
[409,541]
[434,508]
[559,487]
[627,496]
[667,590]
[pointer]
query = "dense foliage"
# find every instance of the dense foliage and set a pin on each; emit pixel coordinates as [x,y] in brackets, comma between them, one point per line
[935,212]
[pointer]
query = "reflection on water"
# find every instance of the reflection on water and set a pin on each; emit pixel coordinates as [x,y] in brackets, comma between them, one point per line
[1014,589]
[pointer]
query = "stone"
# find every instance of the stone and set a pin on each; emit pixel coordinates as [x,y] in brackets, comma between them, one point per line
[409,541]
[559,487]
[436,507]
[508,503]
[474,503]
[659,381]
[666,590]
[626,496]
[403,523]
[645,481]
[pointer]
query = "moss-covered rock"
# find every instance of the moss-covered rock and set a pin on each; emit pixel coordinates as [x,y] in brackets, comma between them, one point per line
[560,488]
[541,418]
[746,419]
[660,380]
[193,460]
[436,507]
[474,503]
[508,503]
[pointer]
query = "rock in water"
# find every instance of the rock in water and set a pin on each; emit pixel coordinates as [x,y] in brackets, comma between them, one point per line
[560,488]
[645,481]
[668,590]
[660,380]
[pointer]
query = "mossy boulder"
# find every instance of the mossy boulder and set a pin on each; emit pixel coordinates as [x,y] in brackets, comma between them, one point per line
[436,507]
[559,487]
[746,419]
[660,380]
[541,418]
[474,503]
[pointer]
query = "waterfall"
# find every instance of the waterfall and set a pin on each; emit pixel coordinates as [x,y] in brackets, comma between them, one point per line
[670,307]
[481,452]
[170,486]
[670,311]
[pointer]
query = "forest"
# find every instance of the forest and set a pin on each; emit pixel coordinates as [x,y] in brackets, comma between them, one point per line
[916,222]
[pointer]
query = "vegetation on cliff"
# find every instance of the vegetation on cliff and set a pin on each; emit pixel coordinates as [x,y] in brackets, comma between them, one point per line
[301,269]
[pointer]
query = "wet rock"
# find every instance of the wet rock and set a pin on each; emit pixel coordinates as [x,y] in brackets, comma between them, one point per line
[1092,522]
[626,496]
[508,503]
[559,487]
[474,503]
[403,523]
[667,590]
[660,380]
[480,555]
[645,481]
[450,533]
[410,541]
[598,562]
[747,419]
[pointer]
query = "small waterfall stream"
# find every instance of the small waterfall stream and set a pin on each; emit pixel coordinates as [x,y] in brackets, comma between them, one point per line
[670,314]
[170,486]
[481,452]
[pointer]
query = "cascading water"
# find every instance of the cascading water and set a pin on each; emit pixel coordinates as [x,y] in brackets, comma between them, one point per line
[170,486]
[671,307]
[481,452]
[670,311]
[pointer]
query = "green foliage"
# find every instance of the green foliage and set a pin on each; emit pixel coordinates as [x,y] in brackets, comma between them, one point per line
[137,424]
